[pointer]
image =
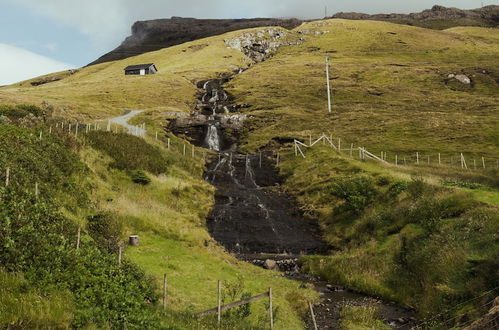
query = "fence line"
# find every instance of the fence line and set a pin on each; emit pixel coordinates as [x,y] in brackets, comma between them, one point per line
[364,154]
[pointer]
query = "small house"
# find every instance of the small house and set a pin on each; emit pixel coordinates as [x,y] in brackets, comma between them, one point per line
[141,69]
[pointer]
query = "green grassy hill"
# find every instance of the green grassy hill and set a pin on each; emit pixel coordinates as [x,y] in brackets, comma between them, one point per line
[102,90]
[429,225]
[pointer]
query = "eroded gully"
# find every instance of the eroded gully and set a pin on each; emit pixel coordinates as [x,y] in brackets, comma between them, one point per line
[253,219]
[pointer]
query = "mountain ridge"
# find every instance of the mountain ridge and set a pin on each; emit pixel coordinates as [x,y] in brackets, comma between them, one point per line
[438,17]
[151,35]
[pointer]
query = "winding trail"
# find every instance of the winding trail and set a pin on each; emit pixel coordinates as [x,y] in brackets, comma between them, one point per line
[123,121]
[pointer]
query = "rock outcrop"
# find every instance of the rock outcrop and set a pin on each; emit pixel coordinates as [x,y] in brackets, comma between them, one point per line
[438,17]
[152,35]
[262,44]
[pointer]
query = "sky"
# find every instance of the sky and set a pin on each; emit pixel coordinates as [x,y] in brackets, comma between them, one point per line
[44,36]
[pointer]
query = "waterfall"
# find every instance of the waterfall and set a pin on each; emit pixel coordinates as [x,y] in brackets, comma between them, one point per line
[212,139]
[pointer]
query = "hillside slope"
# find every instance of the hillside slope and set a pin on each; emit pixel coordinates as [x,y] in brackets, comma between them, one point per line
[148,36]
[394,89]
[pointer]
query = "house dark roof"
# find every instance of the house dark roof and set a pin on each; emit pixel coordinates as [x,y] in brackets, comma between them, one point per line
[139,66]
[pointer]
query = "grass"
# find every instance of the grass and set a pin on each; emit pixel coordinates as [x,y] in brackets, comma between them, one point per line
[168,214]
[389,228]
[361,318]
[389,91]
[23,306]
[102,90]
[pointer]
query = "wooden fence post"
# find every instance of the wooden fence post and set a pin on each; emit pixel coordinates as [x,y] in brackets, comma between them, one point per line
[164,291]
[41,135]
[78,237]
[351,150]
[271,312]
[219,310]
[310,136]
[396,160]
[439,159]
[120,251]
[168,143]
[313,315]
[36,190]
[405,162]
[76,132]
[474,164]
[7,176]
[184,148]
[417,158]
[339,145]
[428,159]
[483,162]
[156,135]
[278,158]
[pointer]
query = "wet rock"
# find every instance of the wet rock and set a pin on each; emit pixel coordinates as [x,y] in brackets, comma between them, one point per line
[270,264]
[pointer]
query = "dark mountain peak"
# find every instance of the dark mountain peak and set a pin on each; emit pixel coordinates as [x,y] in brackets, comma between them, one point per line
[155,34]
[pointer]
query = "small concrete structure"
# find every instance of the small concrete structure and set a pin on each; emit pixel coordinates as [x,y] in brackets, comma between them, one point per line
[141,69]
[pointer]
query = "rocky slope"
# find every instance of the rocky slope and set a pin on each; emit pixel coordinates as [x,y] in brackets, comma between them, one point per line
[438,17]
[152,35]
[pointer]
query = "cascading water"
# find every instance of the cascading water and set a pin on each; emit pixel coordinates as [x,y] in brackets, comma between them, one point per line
[212,140]
[250,219]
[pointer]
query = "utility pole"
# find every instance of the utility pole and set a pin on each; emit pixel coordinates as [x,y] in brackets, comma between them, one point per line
[328,84]
[325,11]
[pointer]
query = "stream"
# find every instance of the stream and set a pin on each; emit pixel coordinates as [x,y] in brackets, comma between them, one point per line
[255,221]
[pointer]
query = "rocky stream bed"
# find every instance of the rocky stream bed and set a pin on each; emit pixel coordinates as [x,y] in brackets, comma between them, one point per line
[253,219]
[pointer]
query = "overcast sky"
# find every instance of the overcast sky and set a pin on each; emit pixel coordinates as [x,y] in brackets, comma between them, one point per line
[79,31]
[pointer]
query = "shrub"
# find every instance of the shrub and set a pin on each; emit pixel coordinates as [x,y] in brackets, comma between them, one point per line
[50,162]
[129,152]
[357,192]
[140,177]
[106,231]
[37,240]
[20,111]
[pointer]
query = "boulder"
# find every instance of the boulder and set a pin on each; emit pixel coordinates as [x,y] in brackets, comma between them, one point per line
[463,79]
[270,264]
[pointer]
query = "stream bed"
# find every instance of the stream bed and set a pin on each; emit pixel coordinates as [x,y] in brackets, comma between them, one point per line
[255,221]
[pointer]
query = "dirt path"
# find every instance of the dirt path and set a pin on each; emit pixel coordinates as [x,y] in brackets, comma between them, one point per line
[123,121]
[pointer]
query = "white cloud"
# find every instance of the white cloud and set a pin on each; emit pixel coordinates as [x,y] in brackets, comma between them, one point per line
[17,64]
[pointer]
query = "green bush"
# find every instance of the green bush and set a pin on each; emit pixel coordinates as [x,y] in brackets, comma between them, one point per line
[140,177]
[20,111]
[50,162]
[129,152]
[106,231]
[357,193]
[37,240]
